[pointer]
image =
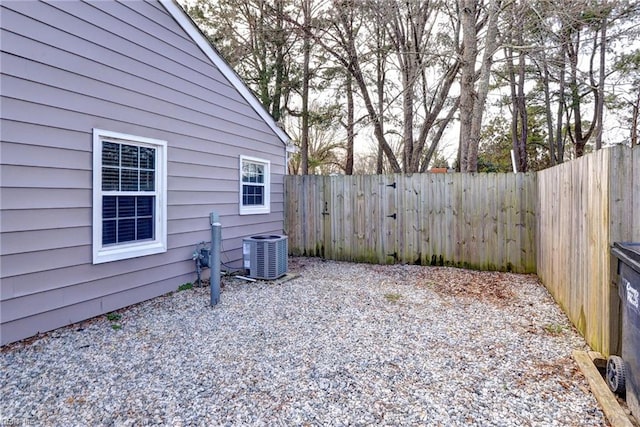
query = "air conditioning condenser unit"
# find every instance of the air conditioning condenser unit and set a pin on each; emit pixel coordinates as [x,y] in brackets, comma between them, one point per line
[265,257]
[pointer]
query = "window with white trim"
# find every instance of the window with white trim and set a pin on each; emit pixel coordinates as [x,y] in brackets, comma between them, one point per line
[255,186]
[129,196]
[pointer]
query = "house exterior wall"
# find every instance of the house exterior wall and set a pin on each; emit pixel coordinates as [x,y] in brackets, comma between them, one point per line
[128,67]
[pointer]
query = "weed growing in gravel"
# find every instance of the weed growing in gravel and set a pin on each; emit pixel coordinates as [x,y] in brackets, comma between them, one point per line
[113,317]
[554,329]
[392,297]
[186,286]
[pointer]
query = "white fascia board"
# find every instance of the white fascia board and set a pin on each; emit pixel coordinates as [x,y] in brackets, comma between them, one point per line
[199,38]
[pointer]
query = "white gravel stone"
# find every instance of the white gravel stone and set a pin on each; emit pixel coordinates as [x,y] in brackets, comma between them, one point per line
[342,344]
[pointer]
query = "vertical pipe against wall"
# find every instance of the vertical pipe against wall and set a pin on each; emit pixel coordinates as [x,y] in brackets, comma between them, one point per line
[216,237]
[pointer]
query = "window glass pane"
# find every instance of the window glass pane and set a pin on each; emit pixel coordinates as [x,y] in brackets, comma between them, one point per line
[147,158]
[245,195]
[253,172]
[126,230]
[129,180]
[252,195]
[110,179]
[110,154]
[145,206]
[129,156]
[145,228]
[147,180]
[109,207]
[258,199]
[126,207]
[108,232]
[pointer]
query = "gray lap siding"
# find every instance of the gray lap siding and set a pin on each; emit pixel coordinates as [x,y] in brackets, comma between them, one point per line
[69,67]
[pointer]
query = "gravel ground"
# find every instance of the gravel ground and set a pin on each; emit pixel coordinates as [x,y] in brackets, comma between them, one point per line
[342,344]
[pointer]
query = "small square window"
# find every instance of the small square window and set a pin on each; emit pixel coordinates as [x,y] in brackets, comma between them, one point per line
[254,186]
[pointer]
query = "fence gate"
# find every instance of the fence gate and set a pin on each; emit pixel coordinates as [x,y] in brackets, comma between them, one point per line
[360,221]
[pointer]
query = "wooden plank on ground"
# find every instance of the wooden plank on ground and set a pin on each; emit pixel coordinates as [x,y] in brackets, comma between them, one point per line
[603,395]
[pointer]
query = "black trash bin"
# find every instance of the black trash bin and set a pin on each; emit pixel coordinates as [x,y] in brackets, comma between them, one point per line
[626,371]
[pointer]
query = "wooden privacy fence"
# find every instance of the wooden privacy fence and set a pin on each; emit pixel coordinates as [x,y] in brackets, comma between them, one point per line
[480,221]
[559,223]
[584,206]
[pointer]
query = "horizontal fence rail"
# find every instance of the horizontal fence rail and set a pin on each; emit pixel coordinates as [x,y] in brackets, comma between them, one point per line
[479,221]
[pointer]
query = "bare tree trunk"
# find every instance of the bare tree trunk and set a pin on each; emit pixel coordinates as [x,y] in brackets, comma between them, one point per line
[280,40]
[436,139]
[348,170]
[561,100]
[472,100]
[407,130]
[635,121]
[380,81]
[406,28]
[515,105]
[579,137]
[519,125]
[306,49]
[467,11]
[352,64]
[521,148]
[601,77]
[519,122]
[551,143]
[432,117]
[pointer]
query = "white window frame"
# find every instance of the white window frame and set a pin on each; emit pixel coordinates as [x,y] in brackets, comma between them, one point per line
[265,208]
[102,254]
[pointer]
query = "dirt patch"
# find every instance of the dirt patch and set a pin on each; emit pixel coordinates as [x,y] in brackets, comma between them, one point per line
[491,287]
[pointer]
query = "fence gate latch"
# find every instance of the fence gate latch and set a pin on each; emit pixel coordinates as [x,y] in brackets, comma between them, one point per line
[392,185]
[326,209]
[392,216]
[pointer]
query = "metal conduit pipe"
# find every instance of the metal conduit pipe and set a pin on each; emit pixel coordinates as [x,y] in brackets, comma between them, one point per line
[214,254]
